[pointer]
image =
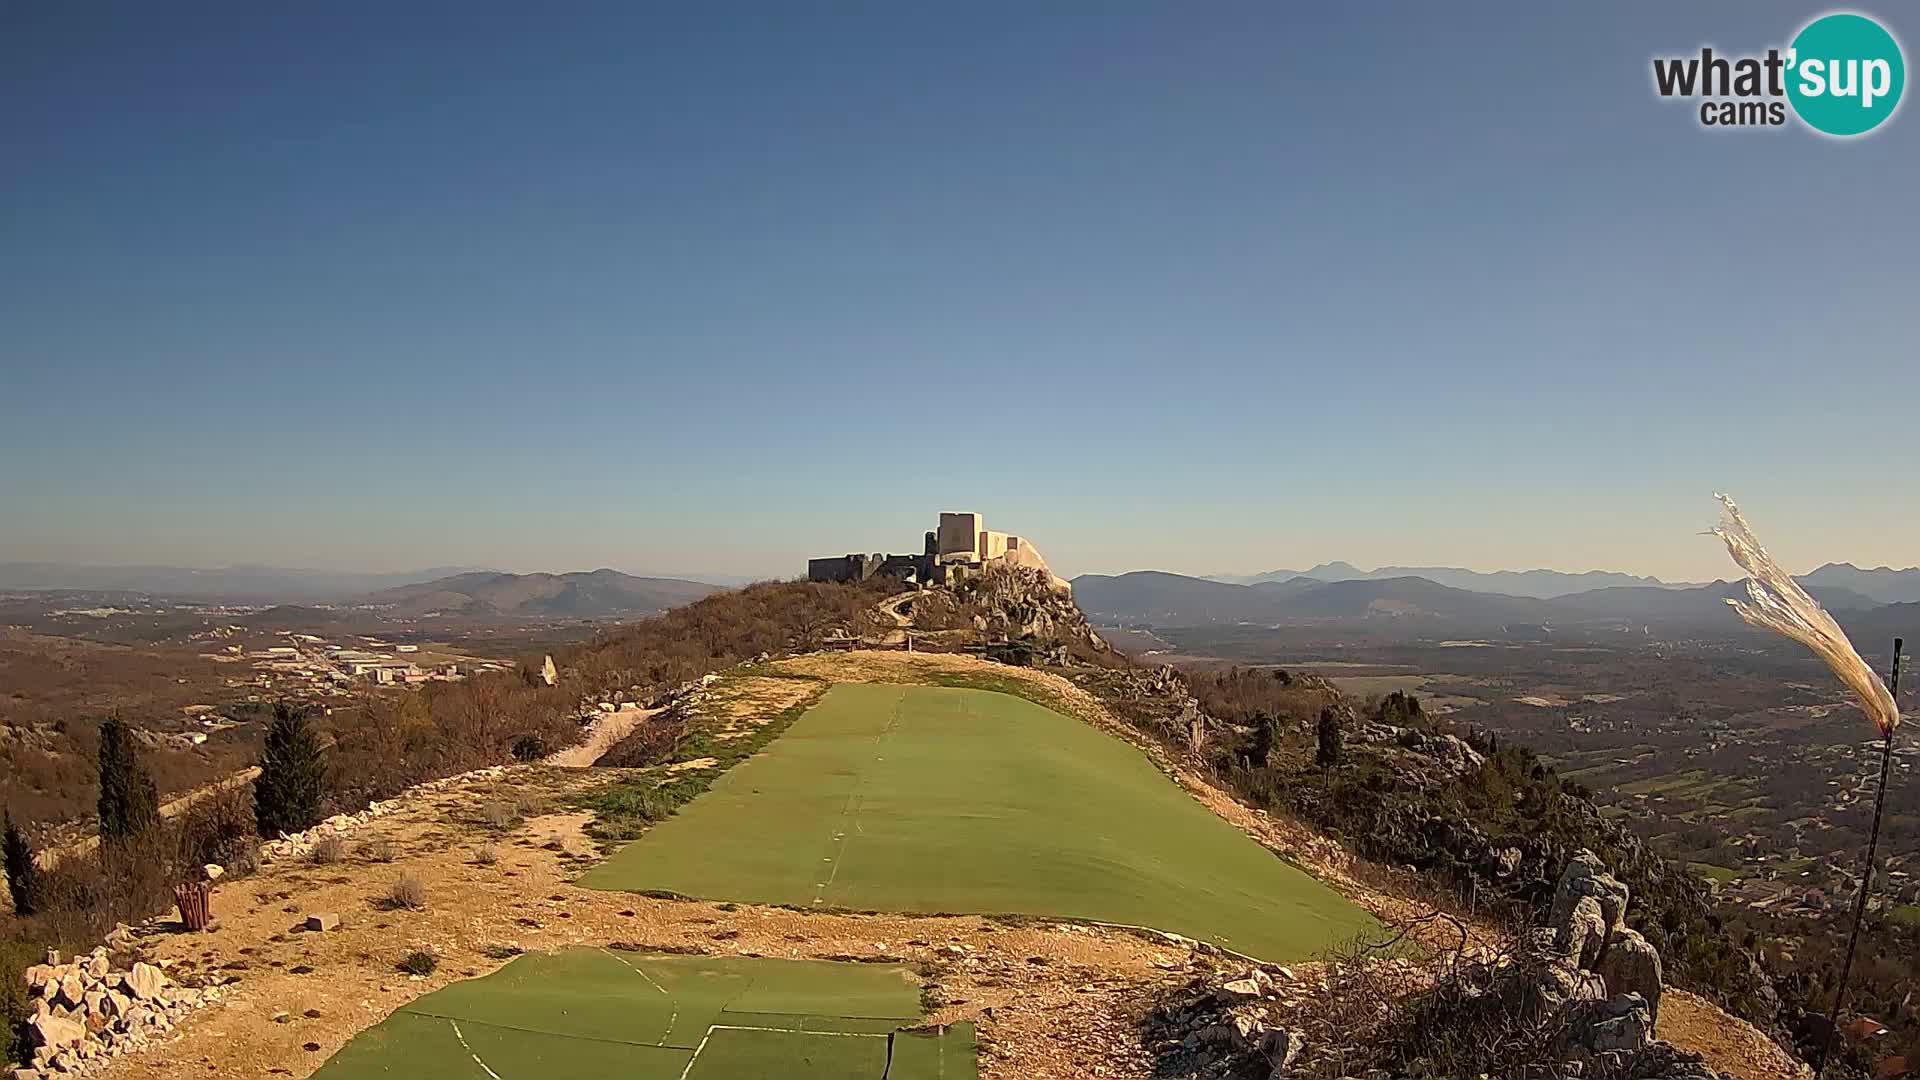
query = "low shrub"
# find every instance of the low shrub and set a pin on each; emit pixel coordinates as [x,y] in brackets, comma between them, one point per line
[418,962]
[408,892]
[485,855]
[500,815]
[378,850]
[219,829]
[328,850]
[15,958]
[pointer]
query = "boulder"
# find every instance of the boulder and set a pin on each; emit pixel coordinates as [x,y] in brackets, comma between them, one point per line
[323,922]
[52,1032]
[1631,965]
[1584,876]
[1582,934]
[1553,987]
[71,992]
[143,983]
[1618,1025]
[1280,1047]
[1240,990]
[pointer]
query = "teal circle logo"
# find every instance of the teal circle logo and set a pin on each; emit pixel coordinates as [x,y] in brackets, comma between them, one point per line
[1845,73]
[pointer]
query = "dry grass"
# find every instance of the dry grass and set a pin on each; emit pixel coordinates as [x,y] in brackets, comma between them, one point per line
[328,850]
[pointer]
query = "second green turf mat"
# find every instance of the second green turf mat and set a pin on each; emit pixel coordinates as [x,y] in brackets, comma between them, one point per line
[933,799]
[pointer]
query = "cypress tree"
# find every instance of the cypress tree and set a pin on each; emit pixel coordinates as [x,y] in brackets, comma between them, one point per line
[23,877]
[1331,738]
[1265,734]
[129,803]
[293,774]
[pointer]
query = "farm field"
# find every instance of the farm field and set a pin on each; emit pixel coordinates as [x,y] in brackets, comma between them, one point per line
[584,1014]
[946,800]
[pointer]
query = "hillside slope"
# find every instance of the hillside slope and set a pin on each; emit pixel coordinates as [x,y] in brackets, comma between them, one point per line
[588,595]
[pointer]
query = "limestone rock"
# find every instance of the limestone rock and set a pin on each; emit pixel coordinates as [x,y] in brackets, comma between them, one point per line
[1617,1025]
[1586,875]
[323,922]
[1583,934]
[1280,1047]
[144,982]
[1240,990]
[1631,965]
[52,1032]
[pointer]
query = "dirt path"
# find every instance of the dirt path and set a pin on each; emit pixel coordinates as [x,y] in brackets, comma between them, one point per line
[607,729]
[893,607]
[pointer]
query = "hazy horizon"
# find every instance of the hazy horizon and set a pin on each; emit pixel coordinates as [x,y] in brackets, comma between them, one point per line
[781,572]
[1218,291]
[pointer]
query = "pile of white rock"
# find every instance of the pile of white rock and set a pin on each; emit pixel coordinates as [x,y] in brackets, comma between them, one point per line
[83,1013]
[297,845]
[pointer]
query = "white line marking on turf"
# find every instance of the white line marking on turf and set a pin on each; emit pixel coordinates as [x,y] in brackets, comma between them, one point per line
[856,801]
[784,1031]
[476,1057]
[671,1020]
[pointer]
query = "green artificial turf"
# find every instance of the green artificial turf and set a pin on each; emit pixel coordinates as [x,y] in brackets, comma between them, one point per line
[585,1014]
[937,799]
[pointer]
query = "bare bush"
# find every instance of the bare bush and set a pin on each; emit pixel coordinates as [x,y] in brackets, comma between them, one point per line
[218,828]
[328,850]
[500,815]
[378,850]
[408,892]
[485,855]
[1463,1010]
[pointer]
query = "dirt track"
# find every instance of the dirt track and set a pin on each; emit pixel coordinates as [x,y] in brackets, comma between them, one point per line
[607,729]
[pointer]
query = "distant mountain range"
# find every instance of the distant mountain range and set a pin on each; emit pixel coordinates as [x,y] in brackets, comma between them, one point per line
[1175,600]
[1888,586]
[278,584]
[595,594]
[232,582]
[1881,584]
[1540,584]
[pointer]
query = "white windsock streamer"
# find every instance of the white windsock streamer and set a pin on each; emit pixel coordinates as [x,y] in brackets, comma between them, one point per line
[1780,604]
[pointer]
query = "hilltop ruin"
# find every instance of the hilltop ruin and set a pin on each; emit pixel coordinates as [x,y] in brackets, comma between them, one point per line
[961,546]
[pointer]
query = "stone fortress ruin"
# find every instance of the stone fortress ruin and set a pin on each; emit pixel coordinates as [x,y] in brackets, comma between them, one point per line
[960,546]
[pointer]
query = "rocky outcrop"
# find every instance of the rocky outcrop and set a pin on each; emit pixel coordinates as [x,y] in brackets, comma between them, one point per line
[1583,990]
[83,1013]
[1021,603]
[1631,965]
[1229,1028]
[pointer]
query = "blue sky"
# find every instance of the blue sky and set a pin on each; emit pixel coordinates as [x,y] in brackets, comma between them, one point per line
[1202,288]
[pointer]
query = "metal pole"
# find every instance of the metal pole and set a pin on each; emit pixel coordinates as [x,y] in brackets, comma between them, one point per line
[1866,877]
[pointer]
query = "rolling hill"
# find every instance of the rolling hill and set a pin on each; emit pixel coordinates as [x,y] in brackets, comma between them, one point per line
[1538,584]
[1882,584]
[588,595]
[1174,600]
[230,582]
